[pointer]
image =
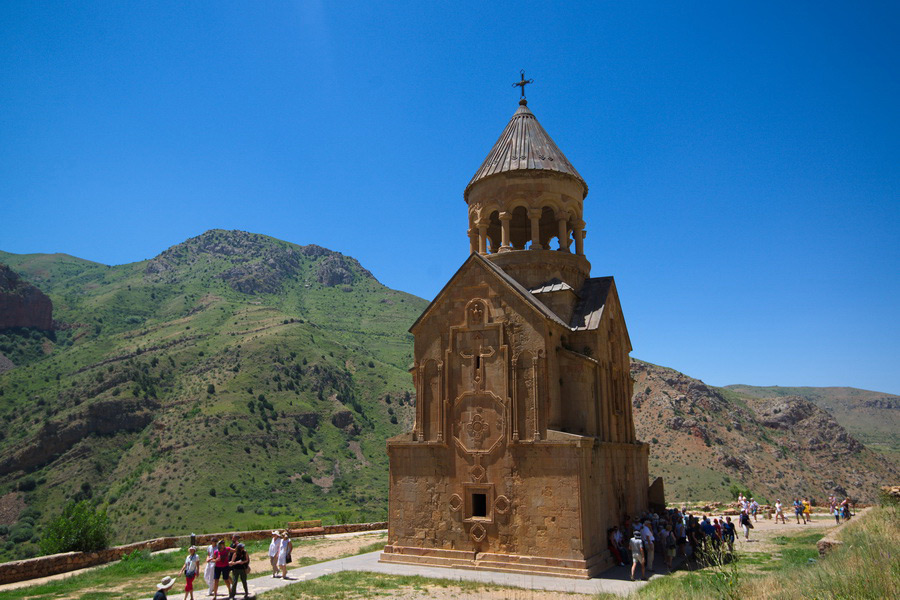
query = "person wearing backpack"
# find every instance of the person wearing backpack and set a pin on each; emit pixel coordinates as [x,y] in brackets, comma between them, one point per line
[798,511]
[746,524]
[669,539]
[240,566]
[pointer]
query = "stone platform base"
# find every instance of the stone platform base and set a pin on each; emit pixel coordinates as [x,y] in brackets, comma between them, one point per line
[508,563]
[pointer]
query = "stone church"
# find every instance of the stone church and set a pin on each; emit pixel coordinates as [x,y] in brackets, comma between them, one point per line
[523,450]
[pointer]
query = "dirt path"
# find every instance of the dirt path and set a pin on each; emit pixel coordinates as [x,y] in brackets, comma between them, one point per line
[766,530]
[323,548]
[319,549]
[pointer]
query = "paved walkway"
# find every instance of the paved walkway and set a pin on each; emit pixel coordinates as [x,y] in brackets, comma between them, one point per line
[614,581]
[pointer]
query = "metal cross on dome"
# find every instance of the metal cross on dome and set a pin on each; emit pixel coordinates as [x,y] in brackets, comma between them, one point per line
[523,82]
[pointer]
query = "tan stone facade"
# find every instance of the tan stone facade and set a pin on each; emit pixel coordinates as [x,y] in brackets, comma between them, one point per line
[523,451]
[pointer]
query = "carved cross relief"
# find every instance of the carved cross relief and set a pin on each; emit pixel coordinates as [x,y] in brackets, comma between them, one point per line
[477,351]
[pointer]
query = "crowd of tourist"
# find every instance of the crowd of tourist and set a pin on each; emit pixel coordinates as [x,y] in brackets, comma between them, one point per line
[678,532]
[230,564]
[675,532]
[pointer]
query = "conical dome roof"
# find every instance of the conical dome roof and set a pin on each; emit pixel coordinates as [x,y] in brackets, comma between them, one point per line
[524,145]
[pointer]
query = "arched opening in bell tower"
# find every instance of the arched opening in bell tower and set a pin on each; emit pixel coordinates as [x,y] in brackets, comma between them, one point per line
[494,232]
[519,228]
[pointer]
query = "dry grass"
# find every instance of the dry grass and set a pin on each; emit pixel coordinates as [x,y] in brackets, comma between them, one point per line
[867,566]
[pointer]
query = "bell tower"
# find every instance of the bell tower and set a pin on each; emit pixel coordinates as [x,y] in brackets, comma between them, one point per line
[525,205]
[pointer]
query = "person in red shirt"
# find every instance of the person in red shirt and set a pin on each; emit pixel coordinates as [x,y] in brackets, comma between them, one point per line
[222,557]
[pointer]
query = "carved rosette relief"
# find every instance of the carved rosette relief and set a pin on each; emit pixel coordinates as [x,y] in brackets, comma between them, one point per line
[478,428]
[478,423]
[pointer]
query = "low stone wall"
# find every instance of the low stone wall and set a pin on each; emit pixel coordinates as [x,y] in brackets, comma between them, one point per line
[42,566]
[831,541]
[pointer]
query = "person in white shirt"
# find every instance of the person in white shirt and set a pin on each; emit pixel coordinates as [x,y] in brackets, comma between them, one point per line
[647,538]
[284,553]
[190,568]
[274,547]
[209,574]
[779,512]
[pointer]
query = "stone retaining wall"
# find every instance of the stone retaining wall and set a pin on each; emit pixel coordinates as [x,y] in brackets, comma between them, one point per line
[831,541]
[42,566]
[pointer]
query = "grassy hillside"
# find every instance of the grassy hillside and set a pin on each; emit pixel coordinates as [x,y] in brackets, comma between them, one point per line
[871,417]
[234,381]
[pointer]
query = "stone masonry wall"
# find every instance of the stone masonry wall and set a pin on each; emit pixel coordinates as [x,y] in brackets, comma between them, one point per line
[42,566]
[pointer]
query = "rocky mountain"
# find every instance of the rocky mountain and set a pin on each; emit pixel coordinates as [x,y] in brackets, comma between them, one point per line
[705,440]
[871,417]
[22,304]
[234,380]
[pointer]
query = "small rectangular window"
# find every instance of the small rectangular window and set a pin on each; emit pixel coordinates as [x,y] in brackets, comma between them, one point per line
[479,505]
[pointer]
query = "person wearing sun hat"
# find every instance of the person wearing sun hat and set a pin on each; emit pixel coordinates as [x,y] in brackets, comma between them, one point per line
[637,554]
[162,587]
[274,546]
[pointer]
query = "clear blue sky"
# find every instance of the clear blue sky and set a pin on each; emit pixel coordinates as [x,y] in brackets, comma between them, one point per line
[742,160]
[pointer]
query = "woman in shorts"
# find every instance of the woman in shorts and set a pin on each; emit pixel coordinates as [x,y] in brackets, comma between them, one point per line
[222,556]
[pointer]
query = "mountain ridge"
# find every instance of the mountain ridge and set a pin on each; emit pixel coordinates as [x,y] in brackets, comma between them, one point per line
[291,362]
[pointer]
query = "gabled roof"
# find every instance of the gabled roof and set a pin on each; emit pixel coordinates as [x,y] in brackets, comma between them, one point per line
[508,281]
[524,145]
[592,300]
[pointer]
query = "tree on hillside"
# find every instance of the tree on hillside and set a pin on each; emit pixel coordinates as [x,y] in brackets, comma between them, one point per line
[80,528]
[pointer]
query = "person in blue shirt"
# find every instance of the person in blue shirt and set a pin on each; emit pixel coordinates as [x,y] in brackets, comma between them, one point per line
[728,533]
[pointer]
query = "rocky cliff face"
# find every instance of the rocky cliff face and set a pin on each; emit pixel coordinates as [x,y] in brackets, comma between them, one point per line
[704,439]
[57,436]
[22,304]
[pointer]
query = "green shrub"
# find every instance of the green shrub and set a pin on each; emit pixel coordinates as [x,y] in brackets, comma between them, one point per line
[735,489]
[21,533]
[80,528]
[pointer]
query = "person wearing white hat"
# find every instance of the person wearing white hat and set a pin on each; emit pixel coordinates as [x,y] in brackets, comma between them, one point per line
[284,553]
[274,546]
[190,568]
[637,554]
[162,587]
